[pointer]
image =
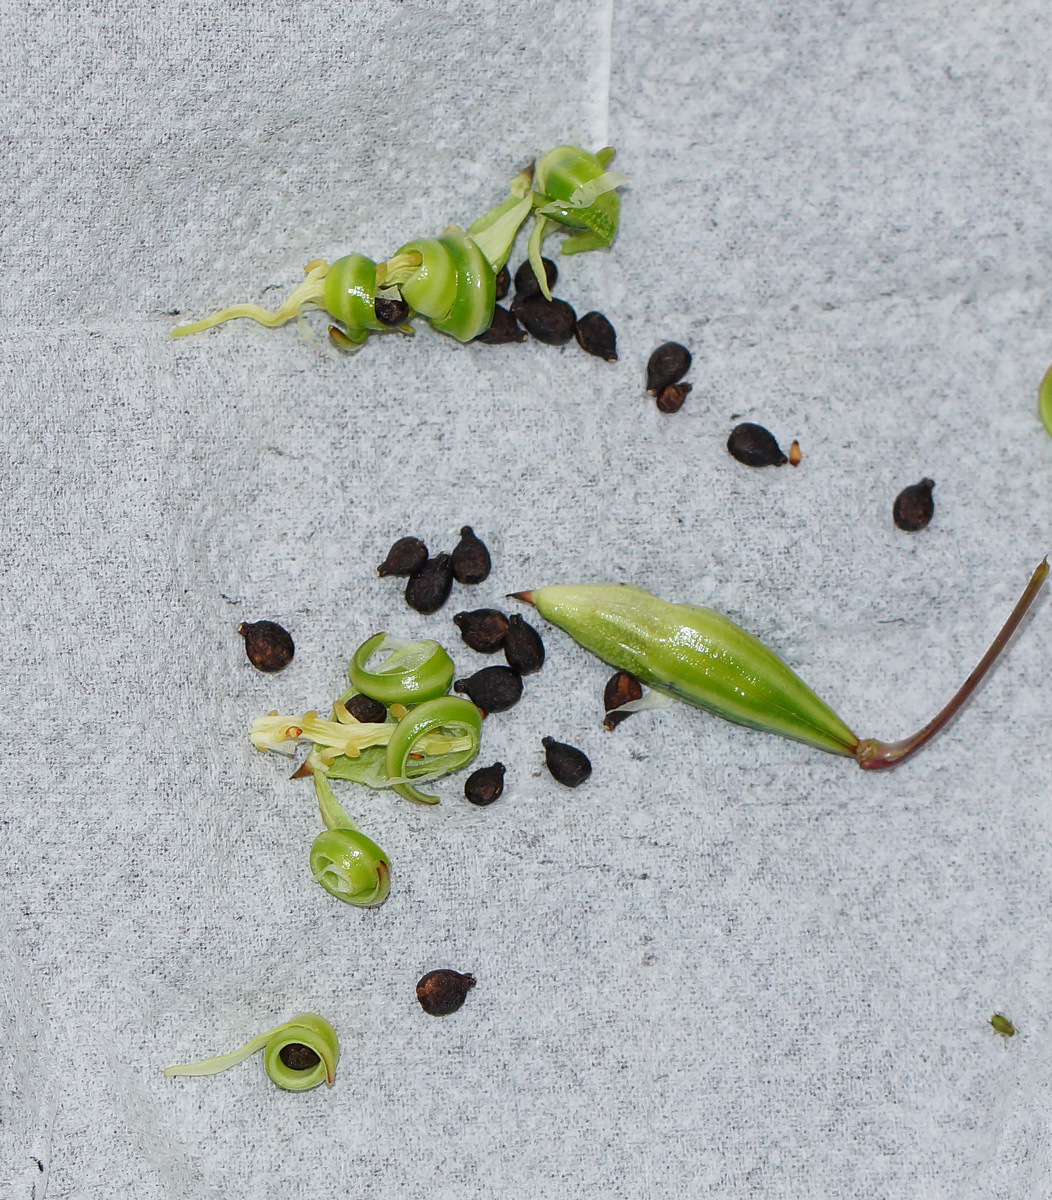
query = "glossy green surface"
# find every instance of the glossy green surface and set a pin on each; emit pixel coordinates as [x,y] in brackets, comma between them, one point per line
[351,867]
[350,293]
[432,287]
[559,174]
[472,309]
[450,714]
[414,671]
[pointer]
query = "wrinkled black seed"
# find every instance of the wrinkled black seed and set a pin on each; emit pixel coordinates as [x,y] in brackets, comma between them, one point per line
[391,310]
[429,588]
[668,364]
[621,688]
[568,765]
[755,446]
[523,647]
[268,646]
[502,283]
[483,630]
[493,689]
[596,335]
[914,506]
[485,785]
[365,708]
[550,321]
[471,562]
[526,281]
[671,398]
[298,1057]
[503,329]
[443,992]
[405,557]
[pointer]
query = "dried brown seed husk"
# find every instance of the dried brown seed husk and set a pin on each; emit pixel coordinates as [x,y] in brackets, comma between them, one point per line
[523,647]
[502,284]
[405,557]
[391,310]
[755,446]
[485,785]
[483,630]
[668,364]
[442,992]
[795,454]
[366,709]
[672,397]
[298,1057]
[429,588]
[471,561]
[503,329]
[914,506]
[550,321]
[621,688]
[595,335]
[526,281]
[568,765]
[269,646]
[493,689]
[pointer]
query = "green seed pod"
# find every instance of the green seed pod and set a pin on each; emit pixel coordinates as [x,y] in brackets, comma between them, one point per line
[350,295]
[453,286]
[351,867]
[412,672]
[582,194]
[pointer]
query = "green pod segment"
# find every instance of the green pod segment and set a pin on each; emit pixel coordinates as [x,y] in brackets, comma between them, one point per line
[351,867]
[456,718]
[432,287]
[696,655]
[1044,401]
[454,286]
[581,194]
[413,672]
[350,295]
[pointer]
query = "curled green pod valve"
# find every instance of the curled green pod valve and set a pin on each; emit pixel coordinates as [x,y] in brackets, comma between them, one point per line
[581,193]
[350,295]
[414,671]
[452,285]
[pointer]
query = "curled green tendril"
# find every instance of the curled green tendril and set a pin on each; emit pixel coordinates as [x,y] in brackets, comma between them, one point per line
[1044,401]
[451,719]
[304,1030]
[346,863]
[413,672]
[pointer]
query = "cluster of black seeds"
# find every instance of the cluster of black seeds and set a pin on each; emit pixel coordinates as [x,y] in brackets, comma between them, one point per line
[431,578]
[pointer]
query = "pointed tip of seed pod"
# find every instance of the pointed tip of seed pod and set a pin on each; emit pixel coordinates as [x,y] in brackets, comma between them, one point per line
[526,597]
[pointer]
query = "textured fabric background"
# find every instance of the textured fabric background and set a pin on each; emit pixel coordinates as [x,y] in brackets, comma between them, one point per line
[729,966]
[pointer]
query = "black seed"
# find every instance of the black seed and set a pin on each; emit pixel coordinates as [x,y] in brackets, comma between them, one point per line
[268,646]
[365,708]
[672,397]
[668,364]
[471,561]
[550,321]
[485,785]
[914,506]
[503,282]
[523,647]
[429,588]
[405,557]
[298,1057]
[621,688]
[526,281]
[443,992]
[391,310]
[596,335]
[568,765]
[493,689]
[483,630]
[755,446]
[503,329]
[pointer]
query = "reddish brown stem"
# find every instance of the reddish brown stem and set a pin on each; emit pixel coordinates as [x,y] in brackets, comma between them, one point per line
[872,755]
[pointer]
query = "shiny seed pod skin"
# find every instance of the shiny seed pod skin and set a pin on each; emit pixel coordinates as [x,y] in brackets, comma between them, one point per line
[485,785]
[405,557]
[493,689]
[621,688]
[755,446]
[596,336]
[365,709]
[470,560]
[526,284]
[269,646]
[568,765]
[442,992]
[502,284]
[391,311]
[672,397]
[668,364]
[504,330]
[298,1057]
[914,506]
[429,588]
[523,647]
[482,630]
[552,322]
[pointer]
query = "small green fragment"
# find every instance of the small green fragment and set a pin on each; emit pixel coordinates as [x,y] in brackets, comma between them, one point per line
[1002,1025]
[1044,401]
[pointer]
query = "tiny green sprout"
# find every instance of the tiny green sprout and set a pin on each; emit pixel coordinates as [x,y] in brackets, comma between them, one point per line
[1002,1025]
[1044,401]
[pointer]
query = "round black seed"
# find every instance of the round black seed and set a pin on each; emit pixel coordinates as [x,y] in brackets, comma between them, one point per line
[298,1057]
[621,688]
[596,335]
[483,630]
[391,310]
[672,397]
[568,765]
[503,329]
[493,689]
[668,364]
[443,992]
[429,588]
[485,785]
[471,561]
[405,557]
[550,321]
[268,646]
[526,281]
[914,506]
[365,708]
[755,446]
[502,282]
[523,647]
